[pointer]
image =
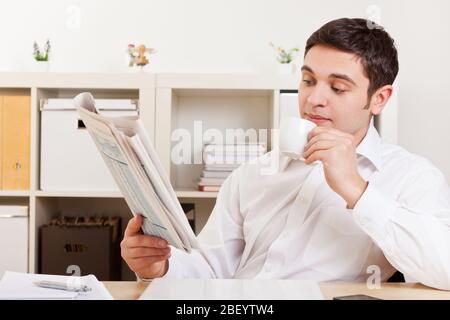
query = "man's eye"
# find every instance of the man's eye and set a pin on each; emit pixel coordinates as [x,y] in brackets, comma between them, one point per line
[338,91]
[307,82]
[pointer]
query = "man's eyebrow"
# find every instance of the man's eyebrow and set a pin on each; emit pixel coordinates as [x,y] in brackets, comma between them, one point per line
[343,77]
[306,68]
[333,75]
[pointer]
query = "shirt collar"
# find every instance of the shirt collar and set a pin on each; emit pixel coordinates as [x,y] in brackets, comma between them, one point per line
[370,146]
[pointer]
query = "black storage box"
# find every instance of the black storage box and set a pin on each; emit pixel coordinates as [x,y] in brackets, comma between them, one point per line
[189,211]
[90,245]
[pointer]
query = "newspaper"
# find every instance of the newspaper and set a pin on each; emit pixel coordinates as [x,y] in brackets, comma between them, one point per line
[135,166]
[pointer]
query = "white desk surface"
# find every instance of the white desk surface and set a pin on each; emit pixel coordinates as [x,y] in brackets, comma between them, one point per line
[131,290]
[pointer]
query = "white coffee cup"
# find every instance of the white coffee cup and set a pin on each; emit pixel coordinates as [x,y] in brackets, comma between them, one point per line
[294,136]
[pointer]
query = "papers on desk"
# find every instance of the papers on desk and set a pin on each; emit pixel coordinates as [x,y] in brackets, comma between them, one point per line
[231,289]
[20,286]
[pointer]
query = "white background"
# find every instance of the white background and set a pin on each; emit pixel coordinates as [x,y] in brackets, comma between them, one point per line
[232,36]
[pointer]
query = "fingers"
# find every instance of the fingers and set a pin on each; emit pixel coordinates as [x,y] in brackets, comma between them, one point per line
[318,130]
[326,140]
[134,226]
[141,252]
[318,155]
[142,240]
[319,145]
[146,262]
[322,136]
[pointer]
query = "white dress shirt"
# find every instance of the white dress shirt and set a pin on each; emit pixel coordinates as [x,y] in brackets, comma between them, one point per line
[291,224]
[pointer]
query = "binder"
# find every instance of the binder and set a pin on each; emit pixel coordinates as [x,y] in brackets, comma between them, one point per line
[15,142]
[1,142]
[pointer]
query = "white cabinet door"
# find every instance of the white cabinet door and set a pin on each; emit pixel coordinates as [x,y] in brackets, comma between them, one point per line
[13,243]
[289,105]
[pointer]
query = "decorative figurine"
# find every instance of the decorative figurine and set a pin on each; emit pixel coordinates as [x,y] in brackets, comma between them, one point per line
[138,56]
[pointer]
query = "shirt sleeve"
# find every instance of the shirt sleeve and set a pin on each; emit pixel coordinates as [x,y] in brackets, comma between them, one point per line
[221,241]
[412,230]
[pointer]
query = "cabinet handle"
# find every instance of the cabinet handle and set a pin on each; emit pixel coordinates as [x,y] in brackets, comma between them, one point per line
[17,166]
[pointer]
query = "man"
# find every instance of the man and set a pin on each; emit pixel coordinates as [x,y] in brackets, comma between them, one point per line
[355,204]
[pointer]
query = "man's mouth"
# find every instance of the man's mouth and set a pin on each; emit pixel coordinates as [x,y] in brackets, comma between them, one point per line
[316,118]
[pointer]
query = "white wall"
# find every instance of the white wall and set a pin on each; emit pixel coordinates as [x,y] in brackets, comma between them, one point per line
[424,114]
[190,35]
[233,36]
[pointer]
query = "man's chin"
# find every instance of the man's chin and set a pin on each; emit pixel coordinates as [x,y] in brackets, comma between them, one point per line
[322,122]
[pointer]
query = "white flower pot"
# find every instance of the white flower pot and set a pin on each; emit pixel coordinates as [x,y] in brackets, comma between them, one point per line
[41,66]
[286,68]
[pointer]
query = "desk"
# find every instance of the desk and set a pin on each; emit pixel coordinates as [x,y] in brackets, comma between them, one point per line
[131,290]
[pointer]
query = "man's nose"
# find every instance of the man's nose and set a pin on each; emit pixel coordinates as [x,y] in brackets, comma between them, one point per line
[318,96]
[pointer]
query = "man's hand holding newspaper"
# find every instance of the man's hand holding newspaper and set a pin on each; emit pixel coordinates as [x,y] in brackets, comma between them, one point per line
[146,255]
[135,166]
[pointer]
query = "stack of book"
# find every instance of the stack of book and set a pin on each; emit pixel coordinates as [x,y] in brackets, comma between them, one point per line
[221,160]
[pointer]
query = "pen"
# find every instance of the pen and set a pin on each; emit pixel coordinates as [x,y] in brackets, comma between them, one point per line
[62,286]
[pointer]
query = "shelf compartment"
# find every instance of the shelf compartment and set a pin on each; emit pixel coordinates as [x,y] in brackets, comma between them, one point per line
[48,207]
[199,112]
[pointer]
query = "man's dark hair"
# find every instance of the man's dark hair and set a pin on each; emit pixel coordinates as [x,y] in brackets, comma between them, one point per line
[368,41]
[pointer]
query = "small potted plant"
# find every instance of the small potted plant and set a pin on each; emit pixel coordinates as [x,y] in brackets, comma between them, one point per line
[42,57]
[285,58]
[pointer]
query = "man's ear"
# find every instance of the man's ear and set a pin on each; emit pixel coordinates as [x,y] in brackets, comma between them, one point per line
[380,98]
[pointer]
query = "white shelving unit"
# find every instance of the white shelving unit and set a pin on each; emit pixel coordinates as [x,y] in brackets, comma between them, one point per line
[79,194]
[167,102]
[43,205]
